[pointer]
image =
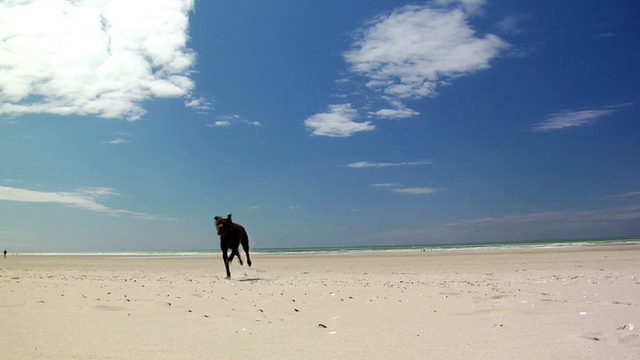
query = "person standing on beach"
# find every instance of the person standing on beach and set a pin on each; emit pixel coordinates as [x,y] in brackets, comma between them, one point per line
[5,253]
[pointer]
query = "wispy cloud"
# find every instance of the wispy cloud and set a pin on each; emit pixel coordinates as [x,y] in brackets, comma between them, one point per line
[605,36]
[626,195]
[387,185]
[568,119]
[401,189]
[367,164]
[567,217]
[531,226]
[200,105]
[87,198]
[510,24]
[469,6]
[398,111]
[415,190]
[228,120]
[102,58]
[120,139]
[338,121]
[117,141]
[409,53]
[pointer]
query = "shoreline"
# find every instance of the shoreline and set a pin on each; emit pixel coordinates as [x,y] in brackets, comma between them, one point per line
[258,253]
[560,244]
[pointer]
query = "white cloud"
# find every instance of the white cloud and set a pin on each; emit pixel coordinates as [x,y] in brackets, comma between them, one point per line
[367,164]
[399,113]
[338,121]
[93,57]
[413,50]
[567,119]
[253,123]
[220,123]
[407,54]
[85,198]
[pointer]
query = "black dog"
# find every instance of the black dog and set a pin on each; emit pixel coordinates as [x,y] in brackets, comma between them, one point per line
[231,236]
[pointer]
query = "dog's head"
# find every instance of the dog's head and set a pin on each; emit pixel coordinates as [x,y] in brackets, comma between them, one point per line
[223,225]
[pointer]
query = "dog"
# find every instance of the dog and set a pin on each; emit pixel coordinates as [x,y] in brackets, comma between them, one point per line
[232,235]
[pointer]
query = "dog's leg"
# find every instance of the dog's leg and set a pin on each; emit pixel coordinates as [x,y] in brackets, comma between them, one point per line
[226,260]
[235,253]
[245,247]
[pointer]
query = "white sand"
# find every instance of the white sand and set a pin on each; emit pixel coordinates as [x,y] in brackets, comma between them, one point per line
[534,304]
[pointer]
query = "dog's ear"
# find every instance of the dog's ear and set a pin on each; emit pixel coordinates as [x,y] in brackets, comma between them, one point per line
[216,218]
[229,217]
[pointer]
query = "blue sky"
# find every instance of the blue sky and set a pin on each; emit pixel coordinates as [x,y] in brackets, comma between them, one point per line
[128,126]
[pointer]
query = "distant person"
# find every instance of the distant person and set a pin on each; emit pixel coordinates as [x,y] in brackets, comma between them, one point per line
[5,253]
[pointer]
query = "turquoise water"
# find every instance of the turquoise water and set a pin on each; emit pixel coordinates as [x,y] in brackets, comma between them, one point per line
[369,249]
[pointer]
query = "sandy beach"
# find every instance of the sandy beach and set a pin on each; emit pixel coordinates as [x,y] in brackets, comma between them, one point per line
[578,303]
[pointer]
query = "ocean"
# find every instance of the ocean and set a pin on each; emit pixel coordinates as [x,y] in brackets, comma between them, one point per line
[364,249]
